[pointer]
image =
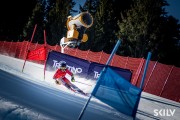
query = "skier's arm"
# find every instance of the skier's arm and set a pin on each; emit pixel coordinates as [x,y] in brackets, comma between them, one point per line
[54,77]
[56,74]
[72,75]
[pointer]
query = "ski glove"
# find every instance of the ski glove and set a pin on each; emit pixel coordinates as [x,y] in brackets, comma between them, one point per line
[72,79]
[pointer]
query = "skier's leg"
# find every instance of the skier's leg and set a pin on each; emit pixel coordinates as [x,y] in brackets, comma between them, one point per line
[69,87]
[67,81]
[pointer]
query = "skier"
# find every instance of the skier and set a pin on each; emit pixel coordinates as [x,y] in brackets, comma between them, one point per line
[62,75]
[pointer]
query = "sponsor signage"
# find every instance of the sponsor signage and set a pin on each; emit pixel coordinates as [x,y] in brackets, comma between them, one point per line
[81,67]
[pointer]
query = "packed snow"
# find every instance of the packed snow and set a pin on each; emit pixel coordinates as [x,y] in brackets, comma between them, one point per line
[28,96]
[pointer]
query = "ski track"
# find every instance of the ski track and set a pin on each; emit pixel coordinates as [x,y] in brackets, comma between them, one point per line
[48,83]
[35,74]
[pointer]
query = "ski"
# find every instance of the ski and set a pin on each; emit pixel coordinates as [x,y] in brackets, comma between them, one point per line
[74,88]
[77,90]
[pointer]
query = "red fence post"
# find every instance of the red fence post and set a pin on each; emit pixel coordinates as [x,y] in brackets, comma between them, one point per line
[3,46]
[134,82]
[100,56]
[150,74]
[75,52]
[87,55]
[21,44]
[126,62]
[16,48]
[166,81]
[36,45]
[10,47]
[55,47]
[20,48]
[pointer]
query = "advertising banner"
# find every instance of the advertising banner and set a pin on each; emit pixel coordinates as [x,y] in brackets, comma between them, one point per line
[81,67]
[75,65]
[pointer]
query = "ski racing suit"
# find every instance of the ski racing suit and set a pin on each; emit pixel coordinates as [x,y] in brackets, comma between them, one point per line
[64,76]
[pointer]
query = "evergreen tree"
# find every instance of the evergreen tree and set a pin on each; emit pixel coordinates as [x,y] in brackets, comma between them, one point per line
[91,7]
[168,46]
[102,33]
[103,27]
[139,29]
[148,28]
[14,17]
[36,18]
[49,15]
[57,17]
[120,8]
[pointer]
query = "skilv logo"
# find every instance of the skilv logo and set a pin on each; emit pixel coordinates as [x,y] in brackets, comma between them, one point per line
[164,112]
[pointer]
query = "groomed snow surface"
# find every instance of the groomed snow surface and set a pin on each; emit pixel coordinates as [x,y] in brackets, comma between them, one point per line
[28,96]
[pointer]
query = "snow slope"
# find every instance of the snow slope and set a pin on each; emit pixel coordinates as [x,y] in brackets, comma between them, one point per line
[26,95]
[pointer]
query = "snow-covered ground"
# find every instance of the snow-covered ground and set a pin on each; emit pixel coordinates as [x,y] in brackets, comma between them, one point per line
[28,96]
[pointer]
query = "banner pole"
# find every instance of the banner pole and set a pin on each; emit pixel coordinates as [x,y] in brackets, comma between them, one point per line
[97,84]
[28,46]
[145,70]
[142,82]
[113,52]
[45,53]
[45,38]
[45,68]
